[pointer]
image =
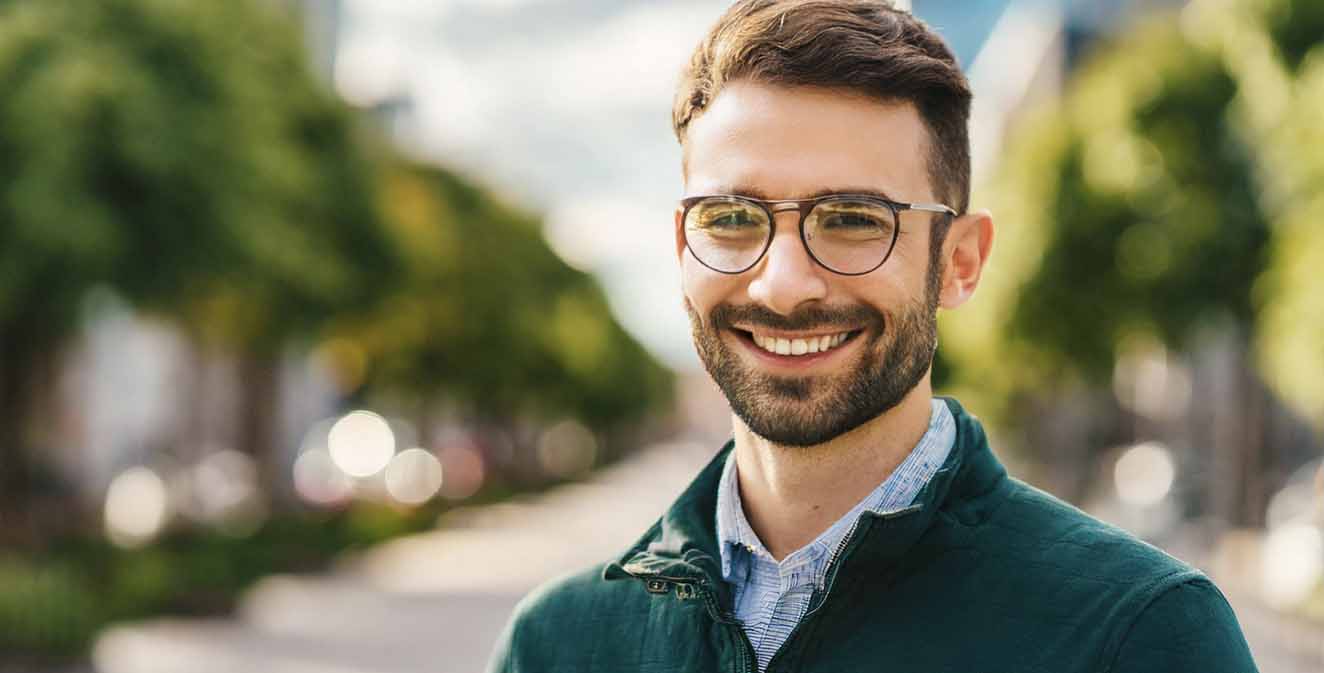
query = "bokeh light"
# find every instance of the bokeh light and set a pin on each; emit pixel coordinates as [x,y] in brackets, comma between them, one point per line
[225,484]
[1301,499]
[567,449]
[137,507]
[1292,564]
[1144,474]
[319,481]
[413,476]
[1148,381]
[464,471]
[1294,502]
[361,443]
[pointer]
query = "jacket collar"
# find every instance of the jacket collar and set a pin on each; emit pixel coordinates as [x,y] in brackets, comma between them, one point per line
[682,545]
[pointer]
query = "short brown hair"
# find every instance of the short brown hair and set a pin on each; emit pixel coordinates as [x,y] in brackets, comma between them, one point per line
[865,46]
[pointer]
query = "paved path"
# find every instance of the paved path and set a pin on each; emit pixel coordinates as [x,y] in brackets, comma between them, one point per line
[432,602]
[436,602]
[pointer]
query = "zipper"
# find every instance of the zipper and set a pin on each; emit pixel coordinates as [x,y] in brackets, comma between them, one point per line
[832,566]
[748,660]
[843,549]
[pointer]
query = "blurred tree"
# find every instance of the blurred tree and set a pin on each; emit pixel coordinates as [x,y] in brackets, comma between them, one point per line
[182,155]
[487,316]
[1175,187]
[1154,227]
[1276,50]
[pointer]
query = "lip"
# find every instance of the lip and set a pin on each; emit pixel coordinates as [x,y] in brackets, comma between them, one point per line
[793,362]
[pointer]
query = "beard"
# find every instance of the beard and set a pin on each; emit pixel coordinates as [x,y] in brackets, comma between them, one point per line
[896,353]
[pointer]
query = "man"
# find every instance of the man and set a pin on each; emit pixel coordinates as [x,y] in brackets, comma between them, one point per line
[854,522]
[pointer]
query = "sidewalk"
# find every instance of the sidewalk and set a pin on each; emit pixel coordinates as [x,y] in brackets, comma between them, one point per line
[433,602]
[436,602]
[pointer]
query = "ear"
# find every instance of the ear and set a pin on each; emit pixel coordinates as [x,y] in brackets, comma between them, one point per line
[965,252]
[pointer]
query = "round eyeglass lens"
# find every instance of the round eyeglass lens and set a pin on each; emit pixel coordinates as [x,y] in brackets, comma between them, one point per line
[727,234]
[850,236]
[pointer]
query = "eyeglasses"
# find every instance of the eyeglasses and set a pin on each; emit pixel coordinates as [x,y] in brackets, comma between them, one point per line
[849,234]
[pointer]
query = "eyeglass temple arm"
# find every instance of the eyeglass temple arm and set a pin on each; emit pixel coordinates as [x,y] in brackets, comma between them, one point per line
[931,208]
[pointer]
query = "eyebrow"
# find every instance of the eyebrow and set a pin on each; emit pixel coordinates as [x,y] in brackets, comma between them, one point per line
[756,193]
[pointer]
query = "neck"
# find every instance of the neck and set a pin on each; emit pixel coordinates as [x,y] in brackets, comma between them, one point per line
[791,494]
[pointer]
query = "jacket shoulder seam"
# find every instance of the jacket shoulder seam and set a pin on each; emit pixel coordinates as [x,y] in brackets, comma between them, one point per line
[1151,592]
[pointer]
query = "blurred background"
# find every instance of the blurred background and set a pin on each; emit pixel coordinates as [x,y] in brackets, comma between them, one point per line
[330,327]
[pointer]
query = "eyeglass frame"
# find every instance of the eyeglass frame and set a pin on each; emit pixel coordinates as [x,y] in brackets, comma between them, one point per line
[804,207]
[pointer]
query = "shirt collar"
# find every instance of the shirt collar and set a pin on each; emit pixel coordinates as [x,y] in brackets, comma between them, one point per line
[736,539]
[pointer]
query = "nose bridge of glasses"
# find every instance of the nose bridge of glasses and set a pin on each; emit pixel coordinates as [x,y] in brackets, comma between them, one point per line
[785,244]
[796,210]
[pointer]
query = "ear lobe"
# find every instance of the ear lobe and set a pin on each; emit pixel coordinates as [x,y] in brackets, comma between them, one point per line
[966,250]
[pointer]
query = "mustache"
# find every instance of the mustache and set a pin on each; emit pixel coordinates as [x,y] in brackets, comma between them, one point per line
[724,316]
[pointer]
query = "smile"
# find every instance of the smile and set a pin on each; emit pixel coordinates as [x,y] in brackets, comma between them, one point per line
[806,345]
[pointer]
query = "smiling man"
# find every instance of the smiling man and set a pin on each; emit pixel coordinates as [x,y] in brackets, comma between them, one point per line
[854,522]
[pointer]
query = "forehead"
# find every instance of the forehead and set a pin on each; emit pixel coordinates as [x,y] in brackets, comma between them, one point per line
[790,142]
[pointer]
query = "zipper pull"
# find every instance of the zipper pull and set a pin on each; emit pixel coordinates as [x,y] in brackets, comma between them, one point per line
[684,591]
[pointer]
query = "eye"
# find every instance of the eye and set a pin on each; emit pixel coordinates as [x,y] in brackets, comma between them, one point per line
[849,223]
[850,220]
[726,217]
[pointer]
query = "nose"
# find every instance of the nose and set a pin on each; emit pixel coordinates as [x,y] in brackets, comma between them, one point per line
[787,276]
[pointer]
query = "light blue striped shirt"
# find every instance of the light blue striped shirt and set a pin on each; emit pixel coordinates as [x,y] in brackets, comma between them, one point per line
[771,597]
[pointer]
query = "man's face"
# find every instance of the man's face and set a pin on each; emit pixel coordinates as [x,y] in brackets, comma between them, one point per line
[775,142]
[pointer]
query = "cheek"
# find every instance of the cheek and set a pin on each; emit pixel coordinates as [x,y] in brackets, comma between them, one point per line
[886,289]
[911,252]
[705,288]
[903,278]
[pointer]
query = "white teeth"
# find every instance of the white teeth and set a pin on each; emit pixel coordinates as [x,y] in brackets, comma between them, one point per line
[799,346]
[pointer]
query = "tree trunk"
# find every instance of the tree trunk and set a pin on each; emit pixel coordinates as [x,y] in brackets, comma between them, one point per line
[16,471]
[1253,460]
[258,405]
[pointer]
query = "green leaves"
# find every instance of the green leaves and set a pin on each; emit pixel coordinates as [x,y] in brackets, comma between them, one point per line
[182,155]
[1174,186]
[486,314]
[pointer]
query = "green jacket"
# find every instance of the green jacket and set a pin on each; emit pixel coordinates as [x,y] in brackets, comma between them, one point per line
[982,574]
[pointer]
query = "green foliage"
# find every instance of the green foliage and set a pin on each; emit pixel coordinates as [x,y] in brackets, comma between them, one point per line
[1280,61]
[1176,184]
[52,605]
[1157,223]
[182,154]
[1295,27]
[1157,227]
[43,607]
[487,313]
